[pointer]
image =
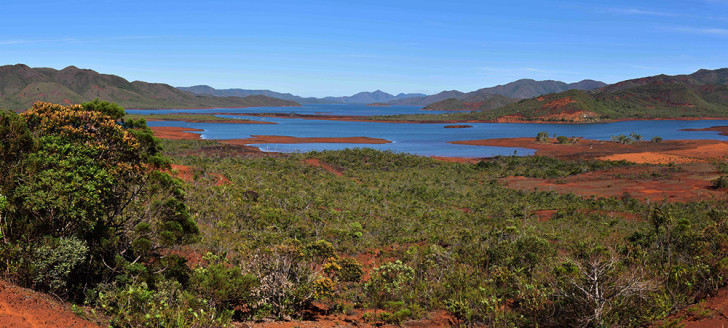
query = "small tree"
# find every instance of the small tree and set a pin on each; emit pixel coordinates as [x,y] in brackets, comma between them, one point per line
[542,136]
[83,173]
[563,139]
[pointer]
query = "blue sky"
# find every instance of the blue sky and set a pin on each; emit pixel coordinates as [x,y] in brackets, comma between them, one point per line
[320,48]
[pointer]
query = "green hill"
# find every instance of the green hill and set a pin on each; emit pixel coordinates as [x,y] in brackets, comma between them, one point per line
[701,94]
[21,86]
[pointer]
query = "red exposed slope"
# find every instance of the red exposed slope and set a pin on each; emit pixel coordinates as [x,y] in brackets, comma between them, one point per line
[24,308]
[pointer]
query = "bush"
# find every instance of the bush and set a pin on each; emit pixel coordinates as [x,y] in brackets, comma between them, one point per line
[721,182]
[563,139]
[225,285]
[656,139]
[350,270]
[54,261]
[286,285]
[168,306]
[542,136]
[388,282]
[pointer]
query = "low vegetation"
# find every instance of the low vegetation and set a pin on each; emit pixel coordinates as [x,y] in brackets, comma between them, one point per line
[398,233]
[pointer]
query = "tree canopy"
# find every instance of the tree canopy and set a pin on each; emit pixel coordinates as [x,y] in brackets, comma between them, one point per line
[82,172]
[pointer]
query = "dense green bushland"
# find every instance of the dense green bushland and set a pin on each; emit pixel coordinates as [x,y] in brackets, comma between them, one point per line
[456,239]
[116,233]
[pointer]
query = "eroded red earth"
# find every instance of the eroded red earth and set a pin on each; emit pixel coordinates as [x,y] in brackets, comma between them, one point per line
[24,308]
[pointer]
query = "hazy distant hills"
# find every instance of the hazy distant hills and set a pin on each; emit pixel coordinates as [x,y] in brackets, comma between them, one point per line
[701,94]
[21,86]
[494,97]
[359,98]
[478,99]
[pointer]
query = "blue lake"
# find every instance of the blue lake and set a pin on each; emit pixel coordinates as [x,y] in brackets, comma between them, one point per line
[421,139]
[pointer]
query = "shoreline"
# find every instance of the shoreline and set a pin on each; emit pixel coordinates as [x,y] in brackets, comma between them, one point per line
[210,107]
[361,118]
[269,139]
[230,121]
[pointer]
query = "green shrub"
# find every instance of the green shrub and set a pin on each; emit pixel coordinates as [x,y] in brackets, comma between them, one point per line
[542,136]
[225,285]
[350,270]
[388,282]
[656,139]
[168,306]
[54,261]
[562,139]
[721,182]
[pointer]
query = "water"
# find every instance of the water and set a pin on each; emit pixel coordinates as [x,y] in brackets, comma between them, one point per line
[326,109]
[421,139]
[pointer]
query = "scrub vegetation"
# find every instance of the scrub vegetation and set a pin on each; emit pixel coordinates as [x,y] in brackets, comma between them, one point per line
[88,214]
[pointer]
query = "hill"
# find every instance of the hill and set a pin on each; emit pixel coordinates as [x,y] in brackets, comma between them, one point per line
[210,91]
[377,96]
[701,94]
[21,86]
[485,99]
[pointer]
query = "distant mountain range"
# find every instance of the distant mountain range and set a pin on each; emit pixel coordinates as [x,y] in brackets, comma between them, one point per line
[509,93]
[359,98]
[21,86]
[494,97]
[701,94]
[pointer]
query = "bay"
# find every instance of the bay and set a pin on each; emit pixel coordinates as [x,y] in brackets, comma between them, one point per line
[430,139]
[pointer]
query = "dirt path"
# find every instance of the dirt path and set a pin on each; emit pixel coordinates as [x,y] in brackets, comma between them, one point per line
[24,308]
[318,163]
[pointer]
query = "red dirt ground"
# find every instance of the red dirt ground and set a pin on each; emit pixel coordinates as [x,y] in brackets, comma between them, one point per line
[722,129]
[354,319]
[713,313]
[294,140]
[691,183]
[186,173]
[24,308]
[317,162]
[671,151]
[176,133]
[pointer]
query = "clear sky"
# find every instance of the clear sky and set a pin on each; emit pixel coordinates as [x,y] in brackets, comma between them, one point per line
[320,48]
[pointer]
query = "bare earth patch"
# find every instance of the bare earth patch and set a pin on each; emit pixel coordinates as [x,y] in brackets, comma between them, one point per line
[176,133]
[24,308]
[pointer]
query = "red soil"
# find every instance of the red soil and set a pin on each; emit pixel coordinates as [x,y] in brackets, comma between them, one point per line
[691,182]
[558,103]
[656,183]
[722,129]
[317,162]
[295,140]
[544,215]
[671,151]
[24,308]
[186,173]
[175,133]
[354,319]
[712,313]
